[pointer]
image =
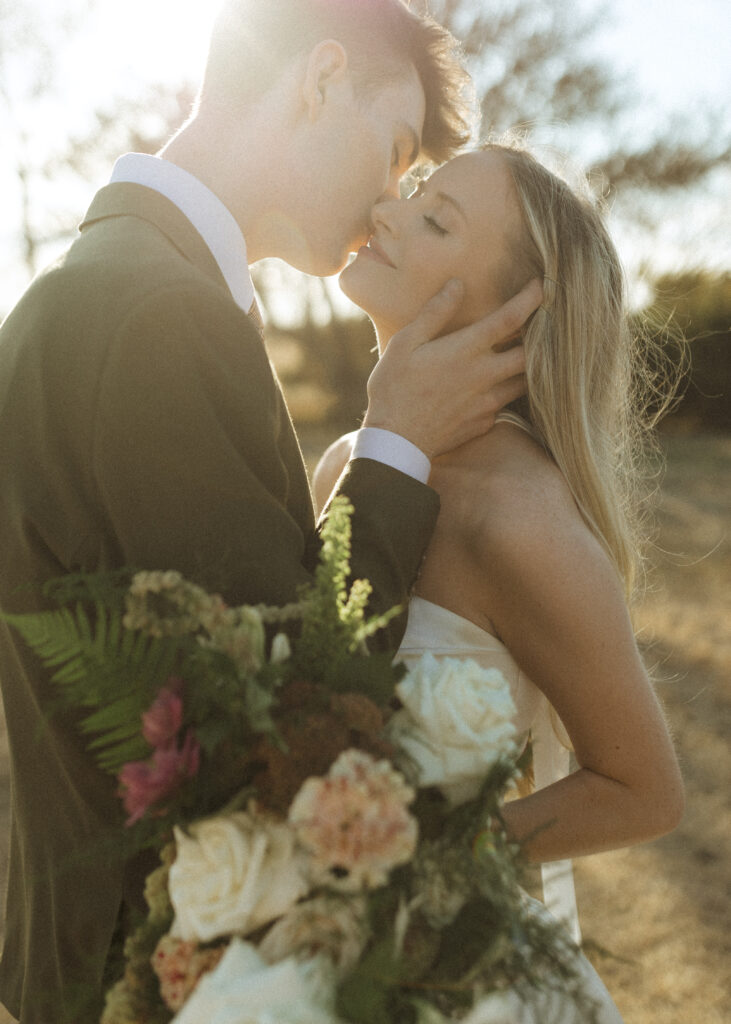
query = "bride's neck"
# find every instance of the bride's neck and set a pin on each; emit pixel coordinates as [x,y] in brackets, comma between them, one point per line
[383,336]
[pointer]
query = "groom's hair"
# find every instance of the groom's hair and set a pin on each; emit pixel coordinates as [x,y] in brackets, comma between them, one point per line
[255,41]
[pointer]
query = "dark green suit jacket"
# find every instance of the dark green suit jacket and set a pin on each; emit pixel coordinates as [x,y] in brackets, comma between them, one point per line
[140,424]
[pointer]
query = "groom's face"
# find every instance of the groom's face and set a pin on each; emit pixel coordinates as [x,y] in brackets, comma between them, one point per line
[357,156]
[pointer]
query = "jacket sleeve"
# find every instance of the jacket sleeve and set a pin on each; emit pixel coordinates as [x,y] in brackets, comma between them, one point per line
[197,467]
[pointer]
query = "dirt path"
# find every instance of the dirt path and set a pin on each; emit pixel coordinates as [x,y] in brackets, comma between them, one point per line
[663,910]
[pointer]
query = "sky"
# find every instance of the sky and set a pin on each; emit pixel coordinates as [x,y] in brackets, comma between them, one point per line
[678,55]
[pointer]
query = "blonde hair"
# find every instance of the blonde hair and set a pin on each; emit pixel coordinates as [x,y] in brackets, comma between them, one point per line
[594,390]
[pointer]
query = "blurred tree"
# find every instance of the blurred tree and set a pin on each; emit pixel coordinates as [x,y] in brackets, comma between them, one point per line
[29,41]
[535,67]
[699,304]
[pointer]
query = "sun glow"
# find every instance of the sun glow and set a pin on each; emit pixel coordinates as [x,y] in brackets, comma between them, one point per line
[63,60]
[154,40]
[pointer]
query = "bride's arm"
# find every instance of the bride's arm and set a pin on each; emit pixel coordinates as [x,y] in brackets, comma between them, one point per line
[558,606]
[329,468]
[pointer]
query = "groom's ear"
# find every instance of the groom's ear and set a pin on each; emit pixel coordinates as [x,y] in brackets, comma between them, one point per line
[327,66]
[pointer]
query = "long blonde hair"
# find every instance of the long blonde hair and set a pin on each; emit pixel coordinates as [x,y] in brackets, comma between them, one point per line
[591,381]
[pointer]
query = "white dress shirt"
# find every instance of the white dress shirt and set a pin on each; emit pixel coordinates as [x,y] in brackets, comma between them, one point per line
[219,230]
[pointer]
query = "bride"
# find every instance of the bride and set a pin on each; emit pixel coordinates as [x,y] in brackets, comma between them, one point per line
[535,556]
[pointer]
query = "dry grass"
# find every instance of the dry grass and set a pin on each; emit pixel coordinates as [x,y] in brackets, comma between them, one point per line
[661,912]
[665,908]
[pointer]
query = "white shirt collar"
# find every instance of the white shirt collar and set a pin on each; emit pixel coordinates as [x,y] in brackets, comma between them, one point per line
[204,210]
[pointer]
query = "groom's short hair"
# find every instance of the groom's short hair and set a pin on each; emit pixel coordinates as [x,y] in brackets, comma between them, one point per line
[254,41]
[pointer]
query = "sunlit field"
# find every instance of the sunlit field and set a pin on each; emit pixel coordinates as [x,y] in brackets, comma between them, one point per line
[656,917]
[663,909]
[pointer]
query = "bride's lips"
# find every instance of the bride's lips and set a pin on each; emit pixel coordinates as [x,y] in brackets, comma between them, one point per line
[374,250]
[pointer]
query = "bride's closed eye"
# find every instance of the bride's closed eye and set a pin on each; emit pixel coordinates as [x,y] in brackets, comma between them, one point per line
[435,226]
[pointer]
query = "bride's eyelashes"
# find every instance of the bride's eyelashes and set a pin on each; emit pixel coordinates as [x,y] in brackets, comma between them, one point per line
[434,225]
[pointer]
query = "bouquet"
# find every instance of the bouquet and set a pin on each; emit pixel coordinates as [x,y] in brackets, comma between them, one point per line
[328,825]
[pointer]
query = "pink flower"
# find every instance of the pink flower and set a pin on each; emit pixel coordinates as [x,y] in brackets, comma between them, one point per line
[355,822]
[145,783]
[160,724]
[179,967]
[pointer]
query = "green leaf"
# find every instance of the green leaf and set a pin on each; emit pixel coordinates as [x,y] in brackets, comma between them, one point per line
[52,635]
[209,734]
[97,664]
[115,756]
[426,1013]
[365,995]
[122,713]
[331,645]
[374,676]
[464,941]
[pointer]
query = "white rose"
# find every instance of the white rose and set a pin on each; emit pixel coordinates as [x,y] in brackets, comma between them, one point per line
[539,1006]
[233,874]
[244,990]
[455,723]
[501,1008]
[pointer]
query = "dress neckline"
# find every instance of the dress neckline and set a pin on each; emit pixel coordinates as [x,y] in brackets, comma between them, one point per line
[466,625]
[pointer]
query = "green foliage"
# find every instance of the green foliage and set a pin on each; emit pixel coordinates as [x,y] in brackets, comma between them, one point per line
[335,628]
[451,921]
[113,673]
[370,994]
[421,972]
[100,665]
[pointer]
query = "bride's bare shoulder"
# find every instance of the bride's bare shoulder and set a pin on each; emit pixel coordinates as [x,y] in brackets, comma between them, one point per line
[328,469]
[514,497]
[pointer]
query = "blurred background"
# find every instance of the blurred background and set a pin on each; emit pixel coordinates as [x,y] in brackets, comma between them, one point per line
[638,95]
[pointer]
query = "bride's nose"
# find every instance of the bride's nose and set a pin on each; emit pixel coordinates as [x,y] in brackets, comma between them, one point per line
[385,214]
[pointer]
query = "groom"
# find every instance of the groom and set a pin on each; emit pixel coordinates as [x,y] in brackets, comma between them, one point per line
[141,422]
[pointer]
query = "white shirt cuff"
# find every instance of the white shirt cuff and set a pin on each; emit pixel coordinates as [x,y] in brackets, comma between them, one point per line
[392,450]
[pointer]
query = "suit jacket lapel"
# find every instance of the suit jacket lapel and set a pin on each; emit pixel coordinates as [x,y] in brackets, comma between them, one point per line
[129,200]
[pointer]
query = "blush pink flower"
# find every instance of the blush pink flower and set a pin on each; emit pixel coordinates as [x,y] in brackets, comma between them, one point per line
[160,724]
[354,822]
[146,783]
[179,966]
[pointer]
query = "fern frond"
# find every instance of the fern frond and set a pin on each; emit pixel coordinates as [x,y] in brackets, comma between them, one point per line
[114,757]
[97,664]
[122,713]
[53,635]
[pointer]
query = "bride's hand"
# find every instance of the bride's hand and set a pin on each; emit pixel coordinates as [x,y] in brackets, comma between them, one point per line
[440,391]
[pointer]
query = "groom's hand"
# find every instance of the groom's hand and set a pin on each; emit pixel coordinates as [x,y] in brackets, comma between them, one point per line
[439,391]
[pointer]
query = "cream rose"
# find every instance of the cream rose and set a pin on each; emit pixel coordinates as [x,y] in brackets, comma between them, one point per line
[243,989]
[456,721]
[233,874]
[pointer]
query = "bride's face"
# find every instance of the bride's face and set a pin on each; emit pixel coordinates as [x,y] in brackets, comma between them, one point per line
[458,223]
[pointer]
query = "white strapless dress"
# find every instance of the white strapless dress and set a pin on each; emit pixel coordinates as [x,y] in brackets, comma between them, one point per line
[442,633]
